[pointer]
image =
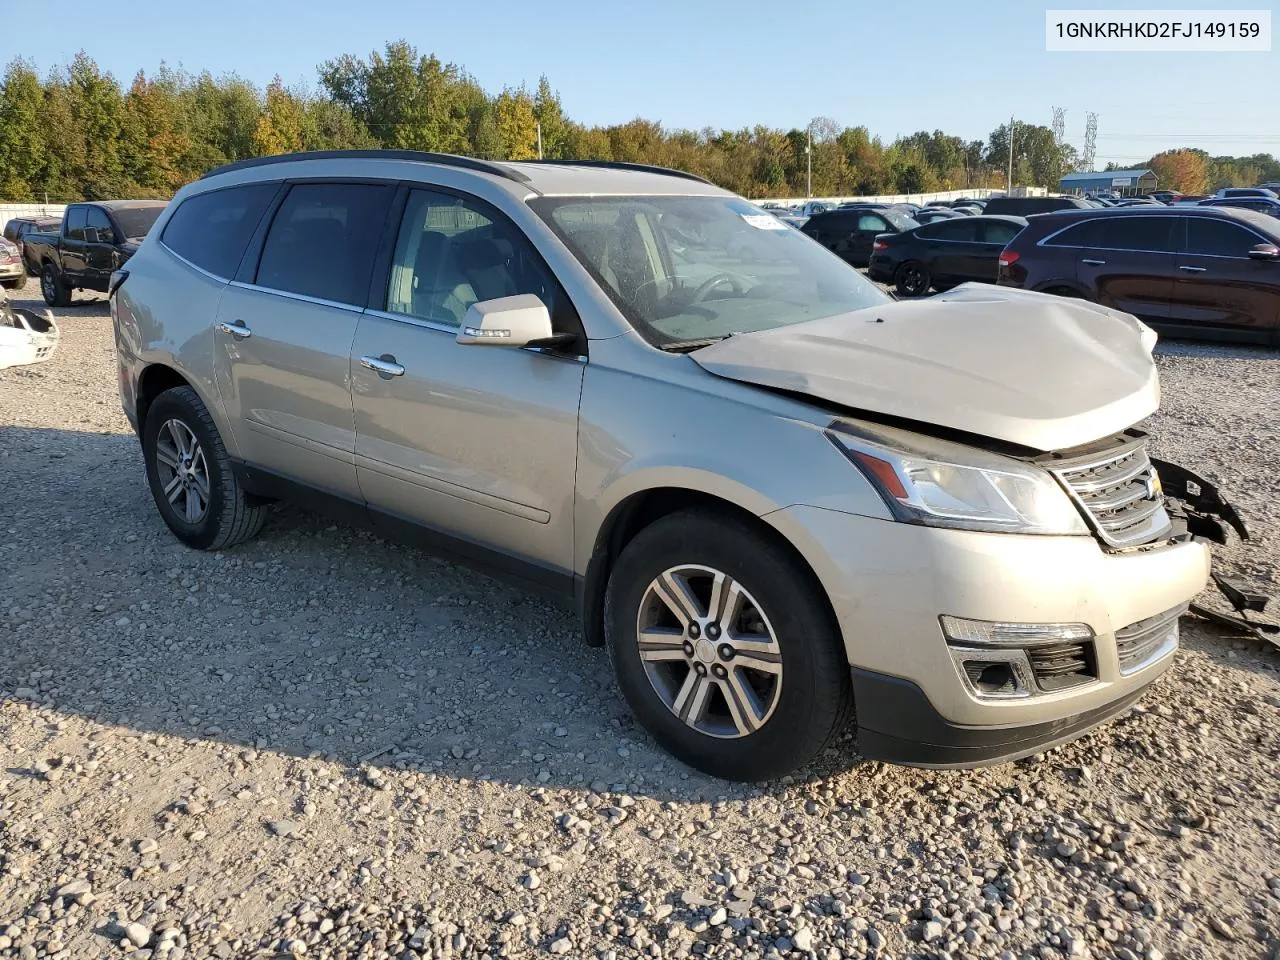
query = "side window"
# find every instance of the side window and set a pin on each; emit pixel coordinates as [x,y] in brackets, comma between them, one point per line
[75,223]
[451,253]
[957,231]
[97,228]
[995,231]
[870,221]
[1151,234]
[323,239]
[1216,238]
[1085,234]
[211,230]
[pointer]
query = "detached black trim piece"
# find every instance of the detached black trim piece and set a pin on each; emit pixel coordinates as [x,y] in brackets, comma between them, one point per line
[1201,497]
[898,724]
[418,156]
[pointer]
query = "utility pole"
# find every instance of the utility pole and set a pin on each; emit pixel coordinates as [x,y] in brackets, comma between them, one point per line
[1008,183]
[539,140]
[808,156]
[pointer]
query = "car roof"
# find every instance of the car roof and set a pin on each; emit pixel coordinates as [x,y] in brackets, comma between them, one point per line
[120,204]
[521,177]
[1256,220]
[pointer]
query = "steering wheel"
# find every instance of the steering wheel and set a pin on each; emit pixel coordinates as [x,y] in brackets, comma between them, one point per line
[736,284]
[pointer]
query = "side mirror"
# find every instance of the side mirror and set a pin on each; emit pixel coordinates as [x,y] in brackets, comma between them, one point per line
[1264,251]
[518,321]
[91,235]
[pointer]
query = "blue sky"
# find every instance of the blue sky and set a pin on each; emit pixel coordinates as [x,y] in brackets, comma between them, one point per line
[895,67]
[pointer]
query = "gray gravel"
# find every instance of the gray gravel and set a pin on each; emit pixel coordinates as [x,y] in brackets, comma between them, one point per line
[321,744]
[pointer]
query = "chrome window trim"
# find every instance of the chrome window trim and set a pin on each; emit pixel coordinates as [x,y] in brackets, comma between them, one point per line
[194,266]
[290,295]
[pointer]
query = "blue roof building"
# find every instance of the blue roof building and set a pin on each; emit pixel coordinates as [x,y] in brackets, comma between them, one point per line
[1123,182]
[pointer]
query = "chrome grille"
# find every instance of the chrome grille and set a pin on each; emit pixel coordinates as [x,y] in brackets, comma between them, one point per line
[1147,641]
[1119,492]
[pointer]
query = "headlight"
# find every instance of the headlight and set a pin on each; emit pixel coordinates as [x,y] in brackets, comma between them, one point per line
[962,487]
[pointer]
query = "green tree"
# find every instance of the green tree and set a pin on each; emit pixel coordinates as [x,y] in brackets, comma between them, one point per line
[550,115]
[517,125]
[280,125]
[96,109]
[22,135]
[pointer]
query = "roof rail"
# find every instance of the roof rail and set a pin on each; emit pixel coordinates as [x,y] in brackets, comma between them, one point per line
[418,156]
[619,165]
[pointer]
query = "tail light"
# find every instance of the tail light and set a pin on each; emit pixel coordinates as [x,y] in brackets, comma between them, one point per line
[879,245]
[1009,257]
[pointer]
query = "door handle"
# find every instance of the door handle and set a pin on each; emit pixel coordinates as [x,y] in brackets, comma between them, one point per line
[384,366]
[237,330]
[1192,269]
[1095,263]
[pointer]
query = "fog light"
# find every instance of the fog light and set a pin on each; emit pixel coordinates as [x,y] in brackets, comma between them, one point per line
[994,674]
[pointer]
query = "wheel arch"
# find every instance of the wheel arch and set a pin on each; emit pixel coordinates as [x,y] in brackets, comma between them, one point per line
[645,507]
[154,380]
[1061,284]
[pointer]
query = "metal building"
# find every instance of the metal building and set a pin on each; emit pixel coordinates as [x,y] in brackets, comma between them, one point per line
[1126,183]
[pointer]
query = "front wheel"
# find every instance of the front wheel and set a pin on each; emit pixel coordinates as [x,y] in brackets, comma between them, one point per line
[53,288]
[191,476]
[725,648]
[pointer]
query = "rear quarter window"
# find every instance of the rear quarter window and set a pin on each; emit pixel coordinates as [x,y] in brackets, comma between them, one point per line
[212,229]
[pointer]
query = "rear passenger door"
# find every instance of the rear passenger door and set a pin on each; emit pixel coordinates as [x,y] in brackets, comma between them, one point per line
[282,340]
[1218,285]
[478,443]
[1130,263]
[949,249]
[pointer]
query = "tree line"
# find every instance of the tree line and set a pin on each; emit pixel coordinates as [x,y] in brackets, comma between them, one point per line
[78,134]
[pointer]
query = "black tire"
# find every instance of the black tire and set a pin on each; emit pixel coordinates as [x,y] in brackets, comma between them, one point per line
[913,279]
[52,287]
[230,516]
[814,698]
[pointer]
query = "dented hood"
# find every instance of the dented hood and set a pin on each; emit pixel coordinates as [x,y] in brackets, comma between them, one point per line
[1032,369]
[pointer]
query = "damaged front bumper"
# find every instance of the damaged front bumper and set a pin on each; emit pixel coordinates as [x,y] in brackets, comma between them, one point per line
[1200,506]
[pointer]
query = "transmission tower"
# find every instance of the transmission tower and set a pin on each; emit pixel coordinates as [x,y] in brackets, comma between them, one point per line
[1090,142]
[1059,124]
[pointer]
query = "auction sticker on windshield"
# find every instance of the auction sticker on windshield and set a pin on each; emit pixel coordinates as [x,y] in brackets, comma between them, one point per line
[764,221]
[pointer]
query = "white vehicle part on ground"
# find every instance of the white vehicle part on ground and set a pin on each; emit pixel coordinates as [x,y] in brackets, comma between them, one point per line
[25,336]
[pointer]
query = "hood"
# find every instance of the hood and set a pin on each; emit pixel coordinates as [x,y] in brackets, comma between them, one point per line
[1028,368]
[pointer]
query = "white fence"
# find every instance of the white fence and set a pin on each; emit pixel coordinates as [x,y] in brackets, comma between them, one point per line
[885,198]
[10,210]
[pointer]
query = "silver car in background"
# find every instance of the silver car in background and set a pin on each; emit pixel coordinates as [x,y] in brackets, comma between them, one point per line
[773,493]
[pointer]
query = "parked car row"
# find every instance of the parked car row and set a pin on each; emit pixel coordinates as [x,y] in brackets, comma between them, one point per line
[80,251]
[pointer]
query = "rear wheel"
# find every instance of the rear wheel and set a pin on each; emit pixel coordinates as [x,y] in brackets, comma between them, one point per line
[725,648]
[55,291]
[913,279]
[191,476]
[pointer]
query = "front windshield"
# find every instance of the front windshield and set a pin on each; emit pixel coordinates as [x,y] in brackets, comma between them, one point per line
[689,269]
[134,222]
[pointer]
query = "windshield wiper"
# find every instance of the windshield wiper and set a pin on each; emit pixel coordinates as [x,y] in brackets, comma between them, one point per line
[687,346]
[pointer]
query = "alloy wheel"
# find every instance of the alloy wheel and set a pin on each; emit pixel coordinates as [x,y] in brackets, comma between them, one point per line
[183,471]
[709,651]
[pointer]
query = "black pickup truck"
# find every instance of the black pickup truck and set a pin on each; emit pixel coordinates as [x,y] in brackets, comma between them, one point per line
[95,239]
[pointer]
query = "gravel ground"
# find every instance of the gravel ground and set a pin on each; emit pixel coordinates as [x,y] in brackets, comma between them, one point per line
[322,744]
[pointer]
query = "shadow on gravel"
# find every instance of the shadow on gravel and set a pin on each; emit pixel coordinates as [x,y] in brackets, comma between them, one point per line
[91,304]
[311,639]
